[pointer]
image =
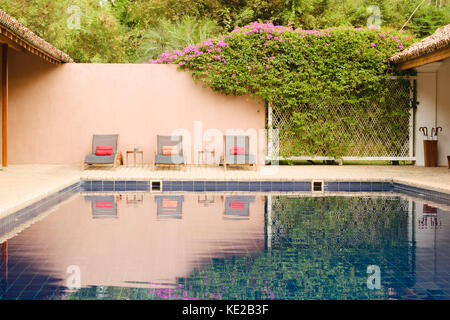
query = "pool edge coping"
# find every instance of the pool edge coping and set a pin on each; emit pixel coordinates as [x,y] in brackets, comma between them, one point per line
[50,191]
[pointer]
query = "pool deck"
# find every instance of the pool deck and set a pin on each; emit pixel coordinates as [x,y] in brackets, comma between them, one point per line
[22,185]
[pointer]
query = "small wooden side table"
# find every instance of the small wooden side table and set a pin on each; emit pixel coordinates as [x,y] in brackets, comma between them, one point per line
[203,155]
[134,152]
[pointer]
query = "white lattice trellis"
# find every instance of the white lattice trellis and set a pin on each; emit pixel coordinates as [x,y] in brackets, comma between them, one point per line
[372,138]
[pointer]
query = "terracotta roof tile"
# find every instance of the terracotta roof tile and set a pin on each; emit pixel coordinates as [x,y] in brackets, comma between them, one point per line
[438,40]
[29,36]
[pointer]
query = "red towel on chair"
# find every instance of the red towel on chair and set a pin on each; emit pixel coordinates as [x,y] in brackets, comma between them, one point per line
[237,151]
[103,204]
[237,205]
[169,203]
[104,150]
[169,150]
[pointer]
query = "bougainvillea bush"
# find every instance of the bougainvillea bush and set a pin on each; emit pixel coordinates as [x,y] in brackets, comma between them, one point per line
[315,71]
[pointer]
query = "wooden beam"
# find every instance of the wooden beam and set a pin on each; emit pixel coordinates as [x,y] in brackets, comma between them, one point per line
[4,105]
[19,44]
[11,43]
[425,59]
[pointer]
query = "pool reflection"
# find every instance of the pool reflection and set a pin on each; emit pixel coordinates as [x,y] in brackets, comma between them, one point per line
[231,246]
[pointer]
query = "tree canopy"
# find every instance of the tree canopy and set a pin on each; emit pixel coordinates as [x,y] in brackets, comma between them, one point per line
[133,30]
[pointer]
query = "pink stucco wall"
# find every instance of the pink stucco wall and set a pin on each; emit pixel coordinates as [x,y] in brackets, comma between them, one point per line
[55,110]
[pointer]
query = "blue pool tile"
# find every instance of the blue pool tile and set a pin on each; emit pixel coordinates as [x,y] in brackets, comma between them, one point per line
[332,186]
[232,186]
[243,186]
[302,186]
[387,186]
[221,186]
[87,186]
[276,186]
[210,185]
[377,187]
[167,186]
[344,186]
[288,186]
[199,186]
[108,185]
[96,185]
[130,185]
[120,186]
[355,186]
[366,187]
[143,186]
[188,185]
[177,186]
[254,186]
[266,186]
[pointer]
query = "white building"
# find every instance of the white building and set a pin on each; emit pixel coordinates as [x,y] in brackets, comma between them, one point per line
[431,59]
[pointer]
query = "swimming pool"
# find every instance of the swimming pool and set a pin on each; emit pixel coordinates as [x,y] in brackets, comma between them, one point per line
[97,244]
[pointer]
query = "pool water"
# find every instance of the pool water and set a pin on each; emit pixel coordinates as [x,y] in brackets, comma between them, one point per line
[230,246]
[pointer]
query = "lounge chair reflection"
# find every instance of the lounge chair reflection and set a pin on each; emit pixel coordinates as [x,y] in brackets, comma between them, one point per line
[169,207]
[237,207]
[103,207]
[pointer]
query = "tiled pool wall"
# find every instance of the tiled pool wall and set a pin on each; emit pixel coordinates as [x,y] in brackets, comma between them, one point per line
[17,218]
[244,186]
[421,193]
[264,186]
[9,222]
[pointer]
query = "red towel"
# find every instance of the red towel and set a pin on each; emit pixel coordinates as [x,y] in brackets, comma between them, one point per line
[169,203]
[103,204]
[104,150]
[237,205]
[237,150]
[169,150]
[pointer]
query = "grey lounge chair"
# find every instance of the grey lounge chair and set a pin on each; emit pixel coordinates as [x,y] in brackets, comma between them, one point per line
[103,140]
[237,159]
[161,159]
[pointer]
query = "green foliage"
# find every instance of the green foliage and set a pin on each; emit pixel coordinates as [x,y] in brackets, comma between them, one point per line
[169,36]
[318,71]
[115,31]
[97,40]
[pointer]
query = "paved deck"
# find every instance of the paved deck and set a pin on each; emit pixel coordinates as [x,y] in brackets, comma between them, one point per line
[21,185]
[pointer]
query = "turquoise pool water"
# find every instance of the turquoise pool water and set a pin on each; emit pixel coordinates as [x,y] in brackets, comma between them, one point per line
[230,246]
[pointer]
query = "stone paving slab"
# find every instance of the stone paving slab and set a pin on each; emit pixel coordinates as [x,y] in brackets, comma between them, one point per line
[21,185]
